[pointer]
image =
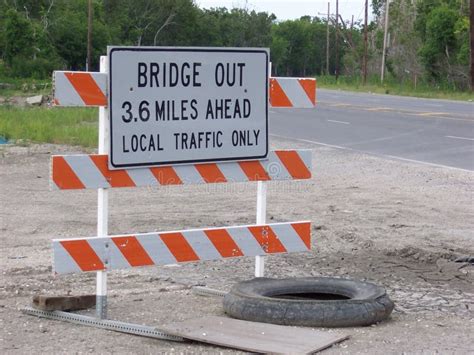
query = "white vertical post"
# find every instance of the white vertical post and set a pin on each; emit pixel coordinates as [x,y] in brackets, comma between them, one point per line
[261,214]
[102,204]
[262,209]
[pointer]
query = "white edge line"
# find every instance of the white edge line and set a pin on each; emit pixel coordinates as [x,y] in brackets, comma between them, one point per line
[465,138]
[373,154]
[343,122]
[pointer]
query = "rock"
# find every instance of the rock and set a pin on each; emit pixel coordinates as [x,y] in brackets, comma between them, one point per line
[35,100]
[16,101]
[320,227]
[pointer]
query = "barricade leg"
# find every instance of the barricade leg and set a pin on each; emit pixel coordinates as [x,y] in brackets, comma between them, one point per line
[261,216]
[102,206]
[262,208]
[102,230]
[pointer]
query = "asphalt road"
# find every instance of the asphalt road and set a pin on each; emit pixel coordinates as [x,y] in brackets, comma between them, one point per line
[428,131]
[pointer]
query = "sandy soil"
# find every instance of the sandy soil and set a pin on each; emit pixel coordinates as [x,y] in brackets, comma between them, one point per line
[398,224]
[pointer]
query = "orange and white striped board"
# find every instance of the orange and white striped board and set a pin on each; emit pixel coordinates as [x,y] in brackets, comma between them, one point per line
[161,248]
[70,172]
[293,92]
[75,88]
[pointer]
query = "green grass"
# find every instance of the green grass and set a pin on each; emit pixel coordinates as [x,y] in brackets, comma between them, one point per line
[73,126]
[393,88]
[24,87]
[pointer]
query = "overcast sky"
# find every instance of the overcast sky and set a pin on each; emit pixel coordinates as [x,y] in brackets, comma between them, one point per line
[288,9]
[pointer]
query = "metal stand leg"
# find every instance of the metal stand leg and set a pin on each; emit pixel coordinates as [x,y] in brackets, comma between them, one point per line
[102,206]
[113,325]
[261,214]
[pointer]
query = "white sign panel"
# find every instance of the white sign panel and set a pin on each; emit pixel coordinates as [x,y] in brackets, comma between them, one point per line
[187,105]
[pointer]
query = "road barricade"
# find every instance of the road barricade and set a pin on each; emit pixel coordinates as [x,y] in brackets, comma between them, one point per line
[90,89]
[103,253]
[293,92]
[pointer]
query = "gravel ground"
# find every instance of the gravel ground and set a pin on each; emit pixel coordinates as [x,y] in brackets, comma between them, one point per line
[398,224]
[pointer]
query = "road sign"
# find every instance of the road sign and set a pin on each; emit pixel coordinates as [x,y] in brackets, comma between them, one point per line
[187,105]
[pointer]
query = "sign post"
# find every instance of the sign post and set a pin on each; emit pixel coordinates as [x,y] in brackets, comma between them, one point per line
[261,210]
[261,214]
[102,205]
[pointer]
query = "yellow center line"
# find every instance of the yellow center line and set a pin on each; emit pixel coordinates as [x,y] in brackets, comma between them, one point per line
[379,109]
[340,105]
[440,115]
[432,114]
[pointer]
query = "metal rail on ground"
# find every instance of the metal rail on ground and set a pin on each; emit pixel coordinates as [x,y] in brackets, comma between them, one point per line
[108,324]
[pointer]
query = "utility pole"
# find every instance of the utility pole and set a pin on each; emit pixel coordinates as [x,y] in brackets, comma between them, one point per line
[337,39]
[385,33]
[365,41]
[327,40]
[471,39]
[89,38]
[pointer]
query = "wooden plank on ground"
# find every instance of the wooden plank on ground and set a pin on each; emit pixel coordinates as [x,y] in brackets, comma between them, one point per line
[63,303]
[255,337]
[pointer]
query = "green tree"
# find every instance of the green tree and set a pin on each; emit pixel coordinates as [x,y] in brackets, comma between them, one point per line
[68,33]
[299,47]
[440,40]
[428,38]
[18,38]
[403,59]
[444,31]
[278,53]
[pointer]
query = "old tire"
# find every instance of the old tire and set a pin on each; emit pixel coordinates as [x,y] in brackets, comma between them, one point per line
[310,301]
